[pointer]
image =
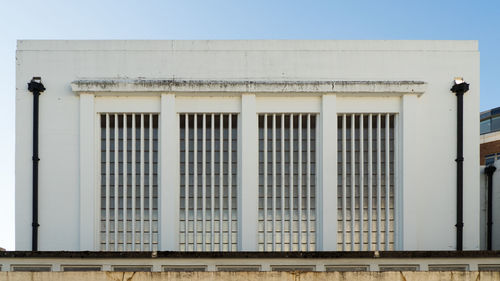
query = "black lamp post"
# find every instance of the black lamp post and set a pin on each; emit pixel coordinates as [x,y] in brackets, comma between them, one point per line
[460,88]
[489,170]
[36,87]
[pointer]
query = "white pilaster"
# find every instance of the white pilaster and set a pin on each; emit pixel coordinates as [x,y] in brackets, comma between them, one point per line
[88,165]
[408,177]
[248,179]
[327,175]
[169,174]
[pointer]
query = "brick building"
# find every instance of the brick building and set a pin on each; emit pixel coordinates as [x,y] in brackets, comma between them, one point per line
[490,136]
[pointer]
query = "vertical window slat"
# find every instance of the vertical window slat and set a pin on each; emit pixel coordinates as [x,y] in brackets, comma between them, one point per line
[353,179]
[291,183]
[134,182]
[203,182]
[107,183]
[195,182]
[150,173]
[299,184]
[125,184]
[370,181]
[212,183]
[361,182]
[229,183]
[308,187]
[221,183]
[344,181]
[283,182]
[117,183]
[379,179]
[387,180]
[396,179]
[142,182]
[265,182]
[187,170]
[274,181]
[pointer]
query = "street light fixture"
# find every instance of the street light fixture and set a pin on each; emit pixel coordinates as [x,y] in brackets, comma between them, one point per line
[459,86]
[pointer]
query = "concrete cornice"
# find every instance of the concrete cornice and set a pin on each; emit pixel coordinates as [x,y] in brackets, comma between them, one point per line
[127,86]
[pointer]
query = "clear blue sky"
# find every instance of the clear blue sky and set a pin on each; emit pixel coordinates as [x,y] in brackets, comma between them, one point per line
[224,19]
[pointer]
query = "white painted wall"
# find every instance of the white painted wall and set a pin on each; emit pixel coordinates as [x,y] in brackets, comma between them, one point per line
[429,137]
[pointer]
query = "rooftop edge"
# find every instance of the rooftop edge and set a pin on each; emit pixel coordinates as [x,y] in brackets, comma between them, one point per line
[247,45]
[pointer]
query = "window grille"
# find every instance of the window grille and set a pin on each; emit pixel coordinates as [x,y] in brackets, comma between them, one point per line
[208,189]
[129,182]
[287,182]
[366,182]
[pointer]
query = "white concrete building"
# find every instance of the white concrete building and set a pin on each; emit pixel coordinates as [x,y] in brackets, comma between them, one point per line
[231,112]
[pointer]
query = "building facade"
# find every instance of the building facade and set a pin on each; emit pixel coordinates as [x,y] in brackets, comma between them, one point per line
[246,145]
[490,136]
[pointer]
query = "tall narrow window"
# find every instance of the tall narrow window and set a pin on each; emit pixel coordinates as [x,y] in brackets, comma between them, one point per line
[366,184]
[129,182]
[287,182]
[208,173]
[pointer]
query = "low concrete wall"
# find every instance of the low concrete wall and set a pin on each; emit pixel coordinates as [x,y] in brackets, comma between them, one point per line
[245,276]
[431,261]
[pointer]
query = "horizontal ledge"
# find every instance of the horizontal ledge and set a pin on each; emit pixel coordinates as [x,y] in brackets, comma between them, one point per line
[124,86]
[258,255]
